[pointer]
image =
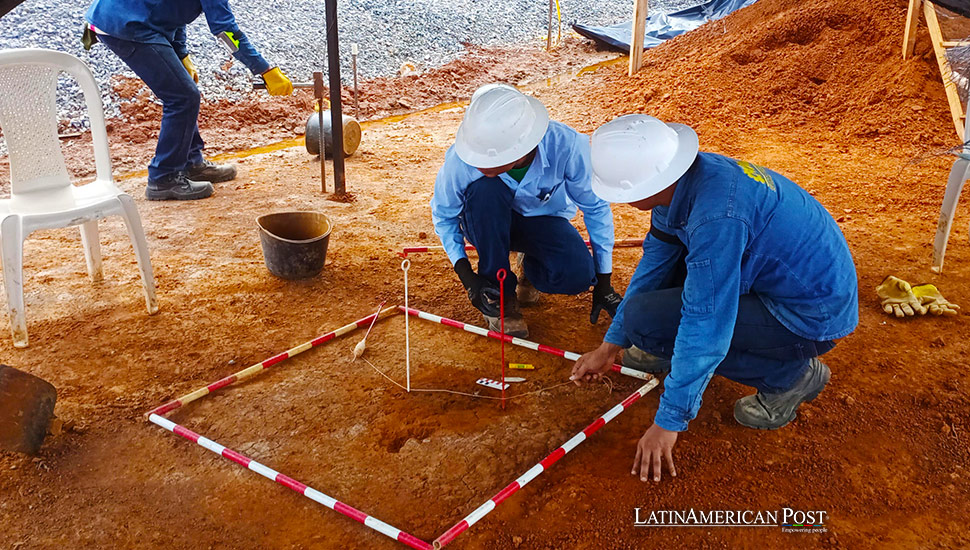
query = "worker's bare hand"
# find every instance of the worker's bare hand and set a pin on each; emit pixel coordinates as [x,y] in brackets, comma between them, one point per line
[655,445]
[590,366]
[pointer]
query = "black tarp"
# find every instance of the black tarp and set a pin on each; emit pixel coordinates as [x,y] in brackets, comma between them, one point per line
[7,5]
[961,7]
[662,26]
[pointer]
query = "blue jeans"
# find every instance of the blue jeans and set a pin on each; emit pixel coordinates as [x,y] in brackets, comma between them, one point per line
[179,142]
[763,353]
[557,260]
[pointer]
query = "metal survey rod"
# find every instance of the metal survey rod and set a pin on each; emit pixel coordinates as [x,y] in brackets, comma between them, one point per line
[336,117]
[318,91]
[353,57]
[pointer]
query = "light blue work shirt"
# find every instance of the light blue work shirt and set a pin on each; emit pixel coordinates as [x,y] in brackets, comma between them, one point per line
[746,229]
[164,21]
[558,180]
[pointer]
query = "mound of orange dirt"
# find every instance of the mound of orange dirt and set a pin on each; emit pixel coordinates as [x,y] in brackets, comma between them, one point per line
[830,65]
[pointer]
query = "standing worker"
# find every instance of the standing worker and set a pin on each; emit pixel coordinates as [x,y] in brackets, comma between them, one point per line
[511,182]
[149,36]
[769,285]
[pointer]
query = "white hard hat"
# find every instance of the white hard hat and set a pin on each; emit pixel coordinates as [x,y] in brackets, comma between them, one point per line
[500,126]
[486,87]
[638,156]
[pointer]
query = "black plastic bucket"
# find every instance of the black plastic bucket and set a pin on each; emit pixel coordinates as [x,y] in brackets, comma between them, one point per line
[294,243]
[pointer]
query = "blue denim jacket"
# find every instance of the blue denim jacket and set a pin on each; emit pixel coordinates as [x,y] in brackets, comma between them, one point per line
[556,183]
[746,229]
[164,21]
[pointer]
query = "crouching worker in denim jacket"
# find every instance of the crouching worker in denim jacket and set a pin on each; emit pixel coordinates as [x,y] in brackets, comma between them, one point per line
[744,274]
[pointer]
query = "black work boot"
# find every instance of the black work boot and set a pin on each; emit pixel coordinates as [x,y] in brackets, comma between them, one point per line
[211,172]
[176,186]
[514,323]
[637,359]
[770,411]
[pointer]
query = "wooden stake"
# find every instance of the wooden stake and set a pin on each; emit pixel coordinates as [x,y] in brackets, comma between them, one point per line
[639,27]
[552,7]
[952,94]
[909,35]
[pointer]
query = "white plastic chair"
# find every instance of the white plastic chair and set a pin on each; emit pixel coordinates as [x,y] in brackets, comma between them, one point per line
[954,186]
[42,196]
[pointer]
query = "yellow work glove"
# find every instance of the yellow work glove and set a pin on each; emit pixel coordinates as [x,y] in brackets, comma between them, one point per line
[930,297]
[898,298]
[190,67]
[277,83]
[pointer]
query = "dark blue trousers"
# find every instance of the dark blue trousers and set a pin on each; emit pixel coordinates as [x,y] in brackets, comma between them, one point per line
[179,142]
[763,353]
[557,260]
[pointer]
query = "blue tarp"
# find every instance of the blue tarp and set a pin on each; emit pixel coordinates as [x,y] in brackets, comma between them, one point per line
[662,26]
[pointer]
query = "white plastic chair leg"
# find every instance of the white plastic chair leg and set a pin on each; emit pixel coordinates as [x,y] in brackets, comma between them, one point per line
[12,248]
[137,235]
[954,185]
[90,240]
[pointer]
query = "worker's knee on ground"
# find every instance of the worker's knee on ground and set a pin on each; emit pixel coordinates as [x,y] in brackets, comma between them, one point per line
[568,276]
[650,319]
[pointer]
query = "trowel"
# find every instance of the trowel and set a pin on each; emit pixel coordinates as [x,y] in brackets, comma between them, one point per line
[26,410]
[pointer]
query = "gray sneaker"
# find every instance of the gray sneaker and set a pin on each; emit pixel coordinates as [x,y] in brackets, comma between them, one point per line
[177,187]
[770,411]
[211,172]
[636,358]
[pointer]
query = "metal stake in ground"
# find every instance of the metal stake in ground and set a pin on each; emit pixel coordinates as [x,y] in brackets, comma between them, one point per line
[405,265]
[336,117]
[500,275]
[318,92]
[353,57]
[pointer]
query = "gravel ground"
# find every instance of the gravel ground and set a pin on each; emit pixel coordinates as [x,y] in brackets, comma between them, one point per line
[289,33]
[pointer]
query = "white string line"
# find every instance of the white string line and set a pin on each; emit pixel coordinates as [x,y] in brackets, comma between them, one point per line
[606,380]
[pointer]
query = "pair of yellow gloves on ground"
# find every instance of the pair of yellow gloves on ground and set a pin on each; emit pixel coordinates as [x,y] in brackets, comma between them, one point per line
[276,81]
[901,299]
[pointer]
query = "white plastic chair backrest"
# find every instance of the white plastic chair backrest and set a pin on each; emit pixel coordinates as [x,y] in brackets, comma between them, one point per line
[28,117]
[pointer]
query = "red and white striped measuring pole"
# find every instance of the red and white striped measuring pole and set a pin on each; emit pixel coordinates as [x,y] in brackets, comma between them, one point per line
[532,473]
[249,372]
[568,355]
[286,481]
[621,243]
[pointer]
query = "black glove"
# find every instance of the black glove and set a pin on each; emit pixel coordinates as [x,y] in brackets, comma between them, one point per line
[604,298]
[482,293]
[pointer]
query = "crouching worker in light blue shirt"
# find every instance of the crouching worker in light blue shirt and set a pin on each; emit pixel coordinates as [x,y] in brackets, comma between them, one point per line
[744,274]
[511,182]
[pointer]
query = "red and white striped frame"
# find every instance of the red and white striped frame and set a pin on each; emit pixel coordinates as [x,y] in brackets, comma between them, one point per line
[249,372]
[622,243]
[568,355]
[286,481]
[351,512]
[543,465]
